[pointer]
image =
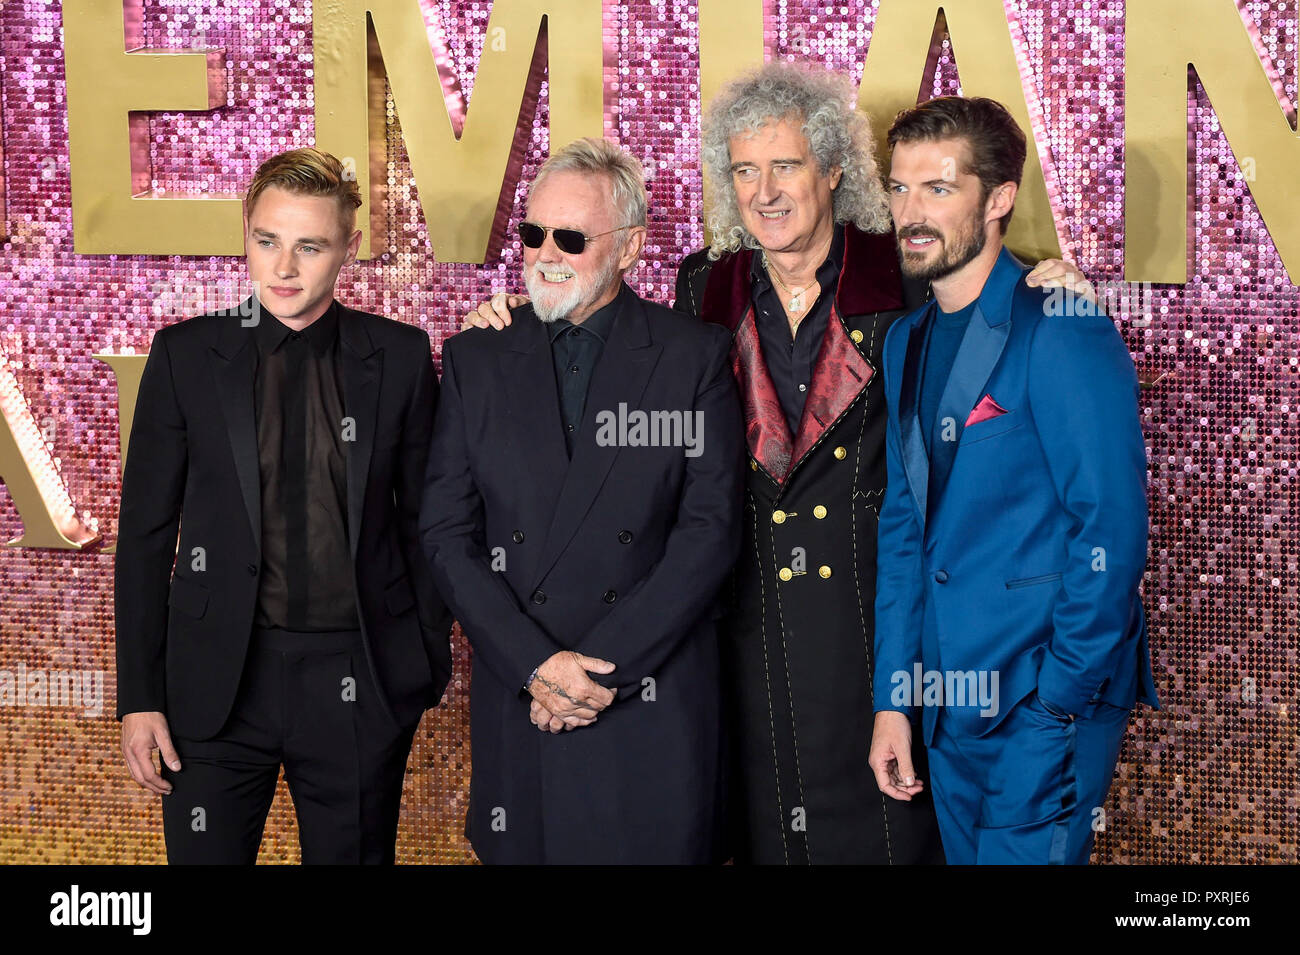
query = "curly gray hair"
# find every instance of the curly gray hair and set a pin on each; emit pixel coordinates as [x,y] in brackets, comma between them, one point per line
[838,135]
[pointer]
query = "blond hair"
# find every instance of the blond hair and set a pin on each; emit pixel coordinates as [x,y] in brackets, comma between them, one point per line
[308,172]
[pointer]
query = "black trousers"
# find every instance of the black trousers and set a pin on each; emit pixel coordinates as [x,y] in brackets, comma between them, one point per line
[306,701]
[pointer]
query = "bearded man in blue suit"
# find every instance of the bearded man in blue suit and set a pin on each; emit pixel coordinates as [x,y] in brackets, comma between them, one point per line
[1013,535]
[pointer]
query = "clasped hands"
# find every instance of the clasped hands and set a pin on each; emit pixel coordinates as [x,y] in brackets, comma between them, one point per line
[564,694]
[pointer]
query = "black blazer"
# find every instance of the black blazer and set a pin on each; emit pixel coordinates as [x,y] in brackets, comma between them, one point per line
[619,554]
[192,466]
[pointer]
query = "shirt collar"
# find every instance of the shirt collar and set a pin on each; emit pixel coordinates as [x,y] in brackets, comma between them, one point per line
[600,323]
[321,334]
[827,272]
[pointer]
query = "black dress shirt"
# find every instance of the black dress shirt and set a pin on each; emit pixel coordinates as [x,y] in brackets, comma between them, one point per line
[302,438]
[576,350]
[790,360]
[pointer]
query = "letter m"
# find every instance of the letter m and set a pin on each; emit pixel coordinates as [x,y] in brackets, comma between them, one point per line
[962,686]
[465,162]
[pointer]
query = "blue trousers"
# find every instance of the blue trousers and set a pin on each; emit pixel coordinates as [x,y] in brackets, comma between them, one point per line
[1027,793]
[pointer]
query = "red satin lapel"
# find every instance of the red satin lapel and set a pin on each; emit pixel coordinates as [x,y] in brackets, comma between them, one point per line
[838,378]
[766,431]
[869,282]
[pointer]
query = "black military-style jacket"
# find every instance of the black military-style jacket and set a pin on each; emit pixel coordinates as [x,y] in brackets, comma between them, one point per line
[798,640]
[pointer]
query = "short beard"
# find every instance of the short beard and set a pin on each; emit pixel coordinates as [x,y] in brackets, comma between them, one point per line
[969,244]
[578,296]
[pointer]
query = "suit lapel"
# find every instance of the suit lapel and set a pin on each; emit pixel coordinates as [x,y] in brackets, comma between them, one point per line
[915,459]
[728,301]
[620,377]
[981,349]
[528,376]
[234,362]
[840,374]
[362,367]
[727,292]
[869,282]
[766,432]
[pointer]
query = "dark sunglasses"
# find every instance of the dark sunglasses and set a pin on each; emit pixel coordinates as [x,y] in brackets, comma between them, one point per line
[568,240]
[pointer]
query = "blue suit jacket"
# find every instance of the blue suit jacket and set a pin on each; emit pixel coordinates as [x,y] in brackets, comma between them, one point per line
[1016,553]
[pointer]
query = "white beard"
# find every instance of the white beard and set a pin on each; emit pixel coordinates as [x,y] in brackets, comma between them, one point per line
[551,304]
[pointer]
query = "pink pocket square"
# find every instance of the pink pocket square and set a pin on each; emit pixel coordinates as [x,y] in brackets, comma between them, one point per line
[987,408]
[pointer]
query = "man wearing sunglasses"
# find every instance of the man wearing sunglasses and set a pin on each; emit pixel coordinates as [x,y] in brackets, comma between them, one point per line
[804,274]
[581,512]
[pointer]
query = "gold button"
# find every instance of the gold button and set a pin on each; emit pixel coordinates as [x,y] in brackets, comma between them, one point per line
[824,571]
[840,453]
[819,512]
[856,336]
[778,517]
[785,573]
[753,465]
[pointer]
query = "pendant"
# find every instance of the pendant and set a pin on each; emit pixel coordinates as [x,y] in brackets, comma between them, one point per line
[796,301]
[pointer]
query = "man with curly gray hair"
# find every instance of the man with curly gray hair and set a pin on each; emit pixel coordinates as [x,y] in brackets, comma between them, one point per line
[838,141]
[804,273]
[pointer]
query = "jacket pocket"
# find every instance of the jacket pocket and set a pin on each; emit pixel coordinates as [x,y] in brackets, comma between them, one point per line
[991,427]
[188,597]
[1030,581]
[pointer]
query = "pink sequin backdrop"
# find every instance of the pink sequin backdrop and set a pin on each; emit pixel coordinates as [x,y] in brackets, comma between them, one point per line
[1211,778]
